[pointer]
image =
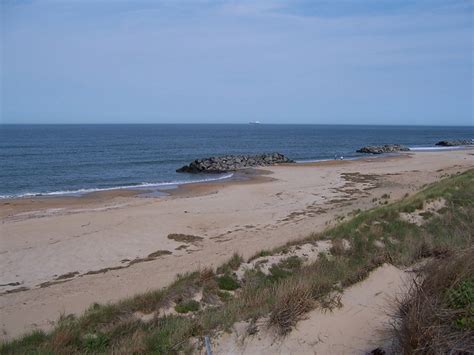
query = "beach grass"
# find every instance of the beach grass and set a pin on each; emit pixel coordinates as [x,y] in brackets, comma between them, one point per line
[284,295]
[437,315]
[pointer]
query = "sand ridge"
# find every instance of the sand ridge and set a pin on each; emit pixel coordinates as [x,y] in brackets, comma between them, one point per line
[357,327]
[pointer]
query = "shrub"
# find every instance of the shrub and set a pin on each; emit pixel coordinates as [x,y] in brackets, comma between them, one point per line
[227,283]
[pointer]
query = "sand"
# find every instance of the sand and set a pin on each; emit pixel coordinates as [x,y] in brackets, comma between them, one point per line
[358,327]
[47,246]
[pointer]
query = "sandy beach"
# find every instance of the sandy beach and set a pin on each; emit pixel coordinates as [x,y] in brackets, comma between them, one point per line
[60,255]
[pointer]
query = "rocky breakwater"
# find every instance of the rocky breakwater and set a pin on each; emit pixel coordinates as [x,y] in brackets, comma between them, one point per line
[233,162]
[380,149]
[455,143]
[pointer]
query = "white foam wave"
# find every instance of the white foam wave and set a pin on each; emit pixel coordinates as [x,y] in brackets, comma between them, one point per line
[428,149]
[303,161]
[143,185]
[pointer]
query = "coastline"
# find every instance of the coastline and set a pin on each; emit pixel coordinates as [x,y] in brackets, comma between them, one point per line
[97,232]
[160,189]
[165,186]
[11,207]
[54,201]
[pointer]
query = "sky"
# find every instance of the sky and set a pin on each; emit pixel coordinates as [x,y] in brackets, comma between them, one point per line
[229,61]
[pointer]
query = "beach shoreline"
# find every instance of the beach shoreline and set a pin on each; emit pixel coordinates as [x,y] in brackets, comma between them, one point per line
[63,254]
[162,189]
[23,204]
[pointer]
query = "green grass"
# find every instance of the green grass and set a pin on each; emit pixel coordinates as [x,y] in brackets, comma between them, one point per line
[228,283]
[29,343]
[230,266]
[187,306]
[284,268]
[285,295]
[292,263]
[260,254]
[426,215]
[95,343]
[461,297]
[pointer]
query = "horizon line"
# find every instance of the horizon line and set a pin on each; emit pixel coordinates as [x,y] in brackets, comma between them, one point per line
[230,124]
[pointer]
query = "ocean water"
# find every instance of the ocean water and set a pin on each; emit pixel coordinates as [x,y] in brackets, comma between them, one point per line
[72,159]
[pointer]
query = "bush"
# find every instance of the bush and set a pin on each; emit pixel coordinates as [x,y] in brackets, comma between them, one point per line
[227,283]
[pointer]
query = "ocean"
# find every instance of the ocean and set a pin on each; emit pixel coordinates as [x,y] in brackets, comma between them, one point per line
[76,159]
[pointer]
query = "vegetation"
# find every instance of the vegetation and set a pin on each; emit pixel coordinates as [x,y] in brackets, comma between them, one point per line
[187,306]
[228,283]
[232,265]
[291,288]
[437,316]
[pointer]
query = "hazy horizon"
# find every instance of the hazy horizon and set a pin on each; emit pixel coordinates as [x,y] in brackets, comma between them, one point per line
[233,123]
[372,62]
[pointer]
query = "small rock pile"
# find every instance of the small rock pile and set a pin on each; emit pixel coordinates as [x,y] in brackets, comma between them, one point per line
[387,148]
[233,162]
[454,143]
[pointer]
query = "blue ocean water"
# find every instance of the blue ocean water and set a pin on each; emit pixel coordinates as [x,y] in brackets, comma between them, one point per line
[59,159]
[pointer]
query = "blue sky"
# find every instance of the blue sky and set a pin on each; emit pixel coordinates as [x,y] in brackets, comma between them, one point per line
[300,61]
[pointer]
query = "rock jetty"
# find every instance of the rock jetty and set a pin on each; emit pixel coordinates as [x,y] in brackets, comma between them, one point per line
[380,149]
[233,162]
[454,143]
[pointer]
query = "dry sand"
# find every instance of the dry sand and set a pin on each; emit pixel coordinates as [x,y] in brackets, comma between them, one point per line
[358,327]
[47,246]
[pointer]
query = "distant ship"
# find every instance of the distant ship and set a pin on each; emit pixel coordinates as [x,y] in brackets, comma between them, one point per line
[255,122]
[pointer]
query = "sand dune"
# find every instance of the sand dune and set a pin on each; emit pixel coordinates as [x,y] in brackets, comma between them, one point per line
[357,327]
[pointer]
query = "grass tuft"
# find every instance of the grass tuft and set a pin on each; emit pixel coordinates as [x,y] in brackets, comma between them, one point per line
[293,300]
[230,266]
[187,306]
[437,316]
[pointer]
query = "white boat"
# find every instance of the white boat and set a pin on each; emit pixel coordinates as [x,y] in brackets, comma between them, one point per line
[254,122]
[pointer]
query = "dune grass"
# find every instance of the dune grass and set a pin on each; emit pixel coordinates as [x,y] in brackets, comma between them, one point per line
[290,290]
[437,315]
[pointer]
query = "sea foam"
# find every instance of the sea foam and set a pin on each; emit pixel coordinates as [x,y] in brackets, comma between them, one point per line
[141,186]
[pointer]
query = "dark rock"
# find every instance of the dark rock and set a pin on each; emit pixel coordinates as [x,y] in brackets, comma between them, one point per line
[380,149]
[454,143]
[232,163]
